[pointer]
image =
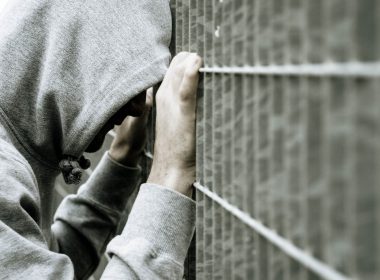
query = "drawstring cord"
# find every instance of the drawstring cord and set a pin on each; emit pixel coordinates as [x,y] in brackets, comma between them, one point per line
[72,168]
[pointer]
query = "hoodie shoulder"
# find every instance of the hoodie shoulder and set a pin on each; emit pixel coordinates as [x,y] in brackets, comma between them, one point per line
[24,250]
[15,169]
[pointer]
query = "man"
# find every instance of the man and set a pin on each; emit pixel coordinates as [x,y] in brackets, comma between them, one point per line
[69,71]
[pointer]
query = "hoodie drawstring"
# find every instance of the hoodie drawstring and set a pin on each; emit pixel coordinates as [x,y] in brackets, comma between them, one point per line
[72,168]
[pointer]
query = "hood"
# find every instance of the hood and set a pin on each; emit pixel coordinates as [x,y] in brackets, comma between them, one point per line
[67,66]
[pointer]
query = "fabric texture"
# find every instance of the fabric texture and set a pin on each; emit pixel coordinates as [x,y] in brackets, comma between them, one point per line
[65,68]
[154,243]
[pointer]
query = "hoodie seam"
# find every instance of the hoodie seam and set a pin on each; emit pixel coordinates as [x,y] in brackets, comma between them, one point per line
[115,213]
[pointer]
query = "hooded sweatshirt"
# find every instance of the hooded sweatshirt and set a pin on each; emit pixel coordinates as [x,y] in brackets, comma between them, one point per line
[66,66]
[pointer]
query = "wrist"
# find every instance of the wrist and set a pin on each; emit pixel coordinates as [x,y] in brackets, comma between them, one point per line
[124,157]
[177,179]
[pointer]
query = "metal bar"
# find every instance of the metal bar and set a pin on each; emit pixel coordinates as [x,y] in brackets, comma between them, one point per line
[287,247]
[349,69]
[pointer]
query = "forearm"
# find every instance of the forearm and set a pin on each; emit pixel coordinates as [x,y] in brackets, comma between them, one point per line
[177,179]
[124,155]
[90,218]
[156,238]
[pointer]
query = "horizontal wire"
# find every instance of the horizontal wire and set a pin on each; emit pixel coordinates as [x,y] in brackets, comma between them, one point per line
[287,247]
[349,69]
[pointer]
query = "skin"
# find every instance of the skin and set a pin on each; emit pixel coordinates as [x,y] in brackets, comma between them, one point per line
[175,125]
[134,108]
[174,158]
[130,139]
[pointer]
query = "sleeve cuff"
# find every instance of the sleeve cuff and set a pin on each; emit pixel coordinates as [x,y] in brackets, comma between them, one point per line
[111,183]
[163,217]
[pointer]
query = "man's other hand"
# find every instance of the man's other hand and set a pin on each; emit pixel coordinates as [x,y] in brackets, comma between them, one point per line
[130,138]
[174,152]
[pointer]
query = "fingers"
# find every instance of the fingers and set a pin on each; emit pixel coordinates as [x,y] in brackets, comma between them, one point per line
[149,98]
[183,73]
[175,125]
[180,57]
[180,62]
[131,121]
[148,103]
[148,94]
[190,79]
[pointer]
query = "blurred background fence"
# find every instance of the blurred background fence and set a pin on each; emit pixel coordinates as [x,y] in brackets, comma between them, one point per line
[288,138]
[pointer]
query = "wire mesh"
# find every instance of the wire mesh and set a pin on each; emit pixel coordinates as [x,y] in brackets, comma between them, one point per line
[287,134]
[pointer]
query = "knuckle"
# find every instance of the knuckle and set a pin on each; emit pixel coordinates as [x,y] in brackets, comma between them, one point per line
[198,59]
[178,70]
[190,74]
[180,56]
[176,62]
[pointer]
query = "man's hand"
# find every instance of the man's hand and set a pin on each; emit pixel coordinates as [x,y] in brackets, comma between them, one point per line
[130,138]
[174,152]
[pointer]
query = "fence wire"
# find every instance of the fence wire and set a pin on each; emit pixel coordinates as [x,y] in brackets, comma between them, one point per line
[287,135]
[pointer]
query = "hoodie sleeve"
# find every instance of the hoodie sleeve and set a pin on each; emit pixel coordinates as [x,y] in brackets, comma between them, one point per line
[153,244]
[84,223]
[24,252]
[155,240]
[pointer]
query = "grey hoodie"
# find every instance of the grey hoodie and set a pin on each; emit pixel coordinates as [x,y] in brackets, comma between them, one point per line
[66,66]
